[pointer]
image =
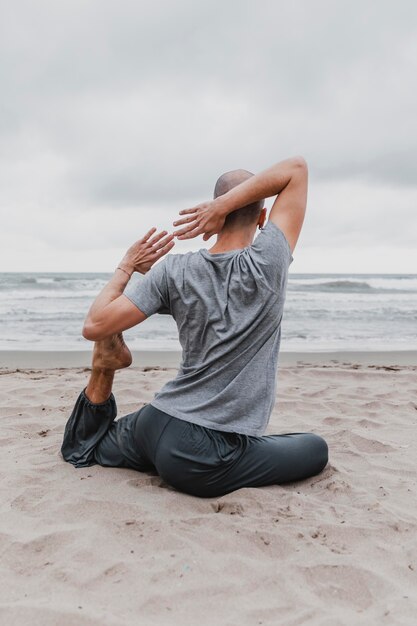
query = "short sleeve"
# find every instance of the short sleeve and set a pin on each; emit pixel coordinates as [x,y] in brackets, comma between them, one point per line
[150,293]
[271,251]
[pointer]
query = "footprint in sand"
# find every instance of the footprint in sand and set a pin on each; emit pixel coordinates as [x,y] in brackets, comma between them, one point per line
[228,508]
[333,420]
[363,444]
[343,585]
[367,422]
[145,481]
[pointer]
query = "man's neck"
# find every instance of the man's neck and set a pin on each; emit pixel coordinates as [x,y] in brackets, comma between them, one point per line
[232,241]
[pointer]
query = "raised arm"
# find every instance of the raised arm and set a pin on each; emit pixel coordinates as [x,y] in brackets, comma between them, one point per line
[287,180]
[112,312]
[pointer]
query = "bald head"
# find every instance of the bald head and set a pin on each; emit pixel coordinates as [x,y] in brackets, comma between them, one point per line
[229,180]
[246,216]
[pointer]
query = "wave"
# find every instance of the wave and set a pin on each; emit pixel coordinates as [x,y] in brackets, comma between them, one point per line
[351,286]
[50,285]
[29,281]
[13,279]
[53,286]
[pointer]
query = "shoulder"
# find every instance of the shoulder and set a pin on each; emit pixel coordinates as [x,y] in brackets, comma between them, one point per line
[176,261]
[273,232]
[272,241]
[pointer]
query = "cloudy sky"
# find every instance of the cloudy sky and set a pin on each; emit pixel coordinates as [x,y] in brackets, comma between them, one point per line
[117,114]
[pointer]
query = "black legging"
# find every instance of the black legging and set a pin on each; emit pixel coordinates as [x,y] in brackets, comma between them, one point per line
[192,458]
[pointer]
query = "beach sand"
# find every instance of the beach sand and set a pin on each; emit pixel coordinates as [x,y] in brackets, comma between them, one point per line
[108,546]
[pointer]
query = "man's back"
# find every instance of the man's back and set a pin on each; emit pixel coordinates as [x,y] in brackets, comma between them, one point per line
[228,308]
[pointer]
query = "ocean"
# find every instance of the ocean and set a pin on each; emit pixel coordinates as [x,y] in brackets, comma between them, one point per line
[45,311]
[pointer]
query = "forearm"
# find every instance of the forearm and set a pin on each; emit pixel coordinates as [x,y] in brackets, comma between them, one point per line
[269,182]
[110,292]
[139,258]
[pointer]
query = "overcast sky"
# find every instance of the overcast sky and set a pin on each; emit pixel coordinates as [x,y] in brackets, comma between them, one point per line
[117,114]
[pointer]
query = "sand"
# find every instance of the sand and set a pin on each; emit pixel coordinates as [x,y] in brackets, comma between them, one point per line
[108,546]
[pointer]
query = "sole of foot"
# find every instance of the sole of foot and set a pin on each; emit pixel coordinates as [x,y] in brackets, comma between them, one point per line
[111,353]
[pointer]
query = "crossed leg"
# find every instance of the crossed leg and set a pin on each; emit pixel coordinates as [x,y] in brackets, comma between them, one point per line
[95,409]
[92,436]
[109,355]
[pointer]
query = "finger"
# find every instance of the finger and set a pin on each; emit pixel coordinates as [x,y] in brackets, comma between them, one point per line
[192,233]
[191,223]
[187,211]
[164,250]
[186,229]
[148,234]
[185,220]
[157,237]
[166,240]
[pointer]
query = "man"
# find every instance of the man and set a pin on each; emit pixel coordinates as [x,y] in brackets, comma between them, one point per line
[204,430]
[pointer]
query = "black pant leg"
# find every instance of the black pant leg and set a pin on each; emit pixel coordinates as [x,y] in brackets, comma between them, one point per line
[209,463]
[86,426]
[276,459]
[125,443]
[93,435]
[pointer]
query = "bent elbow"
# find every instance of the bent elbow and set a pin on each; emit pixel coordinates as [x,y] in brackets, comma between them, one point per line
[90,332]
[300,163]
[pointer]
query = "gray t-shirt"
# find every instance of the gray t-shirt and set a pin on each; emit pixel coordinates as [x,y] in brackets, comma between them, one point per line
[228,308]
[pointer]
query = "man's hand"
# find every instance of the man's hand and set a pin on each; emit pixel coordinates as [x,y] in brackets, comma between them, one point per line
[204,219]
[111,312]
[288,180]
[144,253]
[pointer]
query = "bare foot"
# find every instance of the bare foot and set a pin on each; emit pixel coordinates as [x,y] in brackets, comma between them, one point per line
[111,354]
